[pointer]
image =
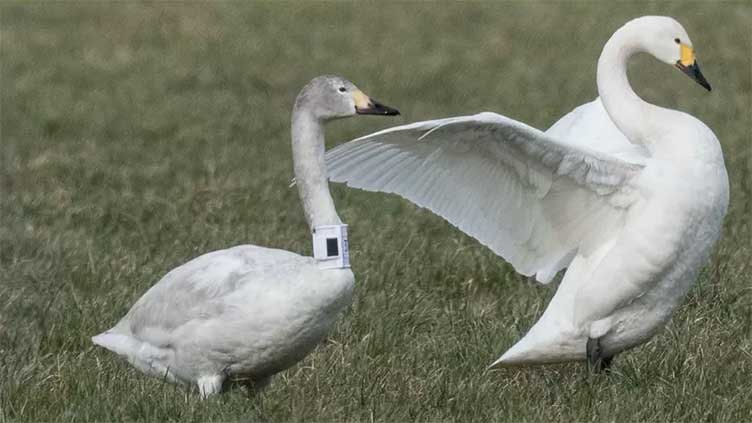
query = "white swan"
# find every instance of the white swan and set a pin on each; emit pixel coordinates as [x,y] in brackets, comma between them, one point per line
[248,312]
[627,195]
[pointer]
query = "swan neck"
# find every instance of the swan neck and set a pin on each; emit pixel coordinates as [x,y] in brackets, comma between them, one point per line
[627,110]
[310,168]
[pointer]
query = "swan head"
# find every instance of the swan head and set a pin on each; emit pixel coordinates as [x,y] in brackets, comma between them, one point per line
[330,97]
[668,41]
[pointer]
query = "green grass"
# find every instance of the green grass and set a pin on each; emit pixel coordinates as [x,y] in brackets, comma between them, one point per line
[135,137]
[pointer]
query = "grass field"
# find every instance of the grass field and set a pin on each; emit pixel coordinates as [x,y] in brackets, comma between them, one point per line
[135,137]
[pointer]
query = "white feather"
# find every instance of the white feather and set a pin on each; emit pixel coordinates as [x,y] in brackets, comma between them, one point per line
[530,197]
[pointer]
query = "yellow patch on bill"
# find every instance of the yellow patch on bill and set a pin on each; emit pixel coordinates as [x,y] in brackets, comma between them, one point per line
[361,100]
[687,55]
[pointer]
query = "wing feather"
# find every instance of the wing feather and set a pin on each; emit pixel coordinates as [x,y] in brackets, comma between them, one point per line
[532,198]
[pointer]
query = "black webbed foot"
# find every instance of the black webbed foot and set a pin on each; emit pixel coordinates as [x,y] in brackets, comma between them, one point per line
[596,362]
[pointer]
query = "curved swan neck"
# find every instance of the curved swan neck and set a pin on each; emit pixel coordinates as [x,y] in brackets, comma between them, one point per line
[310,168]
[627,110]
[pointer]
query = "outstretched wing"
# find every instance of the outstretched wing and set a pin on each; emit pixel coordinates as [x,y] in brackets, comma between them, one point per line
[533,199]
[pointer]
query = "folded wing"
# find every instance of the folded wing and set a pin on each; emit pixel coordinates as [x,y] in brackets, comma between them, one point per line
[533,199]
[205,288]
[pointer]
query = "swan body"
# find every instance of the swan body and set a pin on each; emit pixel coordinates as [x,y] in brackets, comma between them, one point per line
[248,312]
[627,196]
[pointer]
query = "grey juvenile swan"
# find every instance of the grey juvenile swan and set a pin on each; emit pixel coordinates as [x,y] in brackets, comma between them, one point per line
[248,312]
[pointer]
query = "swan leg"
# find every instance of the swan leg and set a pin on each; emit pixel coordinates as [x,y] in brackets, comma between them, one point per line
[597,363]
[251,385]
[210,385]
[259,384]
[255,386]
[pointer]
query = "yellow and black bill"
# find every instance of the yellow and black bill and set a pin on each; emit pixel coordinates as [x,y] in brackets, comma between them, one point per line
[688,65]
[365,105]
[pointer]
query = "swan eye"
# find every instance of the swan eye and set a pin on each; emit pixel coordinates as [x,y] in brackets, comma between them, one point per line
[342,89]
[677,40]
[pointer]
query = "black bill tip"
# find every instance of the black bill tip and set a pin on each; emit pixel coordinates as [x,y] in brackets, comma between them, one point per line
[376,108]
[693,71]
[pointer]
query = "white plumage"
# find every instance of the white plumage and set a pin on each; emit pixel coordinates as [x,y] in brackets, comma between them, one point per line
[627,195]
[248,312]
[532,199]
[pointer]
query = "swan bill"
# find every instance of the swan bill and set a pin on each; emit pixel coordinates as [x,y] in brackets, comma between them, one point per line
[376,108]
[693,71]
[365,105]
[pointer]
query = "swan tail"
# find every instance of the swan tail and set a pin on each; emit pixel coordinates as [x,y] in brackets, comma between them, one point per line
[142,355]
[542,345]
[121,344]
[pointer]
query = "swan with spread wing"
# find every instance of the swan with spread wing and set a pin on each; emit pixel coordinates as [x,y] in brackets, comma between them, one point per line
[628,196]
